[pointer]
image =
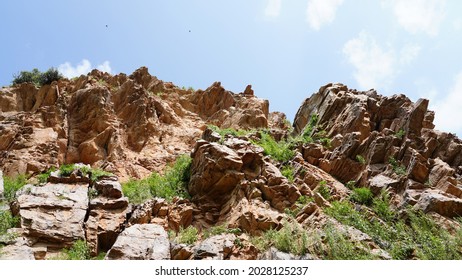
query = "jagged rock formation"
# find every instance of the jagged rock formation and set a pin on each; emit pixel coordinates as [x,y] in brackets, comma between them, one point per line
[133,125]
[366,125]
[129,125]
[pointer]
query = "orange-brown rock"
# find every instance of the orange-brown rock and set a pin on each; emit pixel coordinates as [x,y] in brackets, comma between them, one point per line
[129,125]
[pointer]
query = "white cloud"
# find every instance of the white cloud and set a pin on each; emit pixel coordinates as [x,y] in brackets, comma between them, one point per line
[273,8]
[375,67]
[457,24]
[417,16]
[320,12]
[447,109]
[82,68]
[408,53]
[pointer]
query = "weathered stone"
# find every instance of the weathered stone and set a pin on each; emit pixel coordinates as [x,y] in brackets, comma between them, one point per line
[109,187]
[274,254]
[253,216]
[181,251]
[215,173]
[141,242]
[434,201]
[18,250]
[54,212]
[381,183]
[217,247]
[105,221]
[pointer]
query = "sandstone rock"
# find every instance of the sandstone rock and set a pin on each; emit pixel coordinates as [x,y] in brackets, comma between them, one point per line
[181,251]
[18,250]
[253,216]
[274,254]
[125,123]
[141,242]
[217,247]
[105,221]
[434,201]
[109,187]
[54,212]
[215,173]
[381,183]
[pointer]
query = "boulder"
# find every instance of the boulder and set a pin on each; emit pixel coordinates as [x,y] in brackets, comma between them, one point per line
[435,201]
[217,247]
[381,182]
[215,173]
[141,242]
[109,186]
[106,220]
[274,254]
[54,212]
[181,251]
[18,249]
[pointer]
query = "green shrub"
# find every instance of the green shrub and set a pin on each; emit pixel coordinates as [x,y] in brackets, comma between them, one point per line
[280,151]
[340,247]
[396,166]
[381,206]
[66,169]
[43,178]
[50,76]
[78,251]
[362,196]
[228,131]
[137,191]
[324,190]
[12,185]
[27,77]
[96,173]
[173,183]
[7,221]
[291,238]
[288,172]
[36,77]
[217,230]
[188,235]
[418,236]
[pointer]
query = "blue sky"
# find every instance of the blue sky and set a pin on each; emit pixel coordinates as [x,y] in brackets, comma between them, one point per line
[286,49]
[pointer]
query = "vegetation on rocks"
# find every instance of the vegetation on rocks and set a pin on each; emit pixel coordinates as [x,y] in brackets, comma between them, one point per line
[7,221]
[187,235]
[415,235]
[173,183]
[36,77]
[12,185]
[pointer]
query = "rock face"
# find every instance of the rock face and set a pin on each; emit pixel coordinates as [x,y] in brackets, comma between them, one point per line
[141,242]
[238,190]
[385,143]
[125,124]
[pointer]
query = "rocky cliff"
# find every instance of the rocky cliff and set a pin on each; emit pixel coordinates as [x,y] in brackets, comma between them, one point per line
[359,175]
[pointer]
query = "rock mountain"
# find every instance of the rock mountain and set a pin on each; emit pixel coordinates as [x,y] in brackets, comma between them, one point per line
[357,175]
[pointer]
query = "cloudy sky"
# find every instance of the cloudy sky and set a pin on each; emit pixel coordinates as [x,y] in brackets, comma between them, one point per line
[286,49]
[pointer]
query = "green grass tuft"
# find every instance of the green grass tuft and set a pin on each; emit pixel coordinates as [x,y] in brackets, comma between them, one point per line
[362,196]
[78,251]
[187,236]
[173,183]
[12,185]
[288,172]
